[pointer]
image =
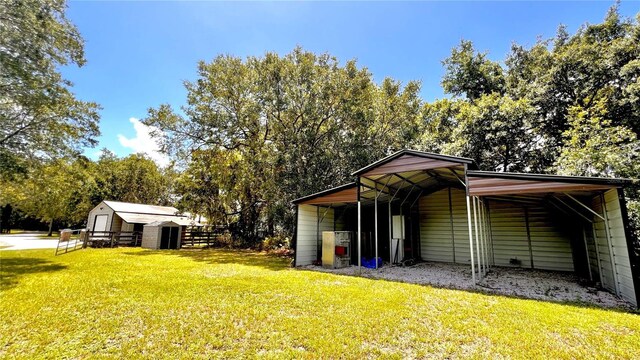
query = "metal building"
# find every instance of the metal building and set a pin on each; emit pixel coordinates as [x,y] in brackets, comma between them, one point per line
[415,206]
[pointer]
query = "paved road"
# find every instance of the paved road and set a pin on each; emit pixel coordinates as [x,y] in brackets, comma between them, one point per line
[26,241]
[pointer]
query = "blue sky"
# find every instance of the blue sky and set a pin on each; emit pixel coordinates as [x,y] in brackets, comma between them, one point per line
[139,53]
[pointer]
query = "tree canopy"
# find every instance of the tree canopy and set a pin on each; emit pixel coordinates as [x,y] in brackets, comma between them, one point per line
[39,115]
[269,129]
[260,131]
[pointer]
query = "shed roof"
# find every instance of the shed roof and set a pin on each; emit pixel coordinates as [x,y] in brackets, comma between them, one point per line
[133,218]
[141,208]
[163,223]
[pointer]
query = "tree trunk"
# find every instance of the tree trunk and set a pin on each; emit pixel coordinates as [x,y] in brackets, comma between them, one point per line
[50,228]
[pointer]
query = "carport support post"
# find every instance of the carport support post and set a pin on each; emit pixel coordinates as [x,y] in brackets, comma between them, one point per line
[359,229]
[586,249]
[375,215]
[479,221]
[475,222]
[473,268]
[485,227]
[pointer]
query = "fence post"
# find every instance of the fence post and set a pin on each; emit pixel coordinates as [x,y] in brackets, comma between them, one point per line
[113,235]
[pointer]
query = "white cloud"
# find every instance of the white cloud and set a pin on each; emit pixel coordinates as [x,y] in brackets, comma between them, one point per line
[143,142]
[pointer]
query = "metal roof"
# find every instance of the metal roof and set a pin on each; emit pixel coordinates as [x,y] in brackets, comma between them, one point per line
[141,208]
[422,154]
[558,178]
[133,218]
[325,192]
[405,169]
[161,223]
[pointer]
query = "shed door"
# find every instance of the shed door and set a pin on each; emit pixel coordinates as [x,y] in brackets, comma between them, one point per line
[164,239]
[100,223]
[169,238]
[173,240]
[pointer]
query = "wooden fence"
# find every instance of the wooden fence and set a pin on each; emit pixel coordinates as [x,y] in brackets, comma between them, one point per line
[80,239]
[101,239]
[195,237]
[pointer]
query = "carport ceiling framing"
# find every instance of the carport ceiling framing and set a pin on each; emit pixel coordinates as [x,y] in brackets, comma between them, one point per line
[426,181]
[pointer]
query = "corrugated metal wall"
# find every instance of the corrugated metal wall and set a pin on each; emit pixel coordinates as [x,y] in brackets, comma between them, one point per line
[540,246]
[616,248]
[443,227]
[307,239]
[550,244]
[591,248]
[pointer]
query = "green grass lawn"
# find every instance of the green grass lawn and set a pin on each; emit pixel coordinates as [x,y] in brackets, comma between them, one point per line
[131,303]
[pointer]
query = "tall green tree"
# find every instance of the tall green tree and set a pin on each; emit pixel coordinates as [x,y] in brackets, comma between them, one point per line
[134,178]
[39,115]
[54,191]
[283,126]
[471,74]
[565,105]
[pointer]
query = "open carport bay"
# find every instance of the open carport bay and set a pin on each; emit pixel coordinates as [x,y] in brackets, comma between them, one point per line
[524,283]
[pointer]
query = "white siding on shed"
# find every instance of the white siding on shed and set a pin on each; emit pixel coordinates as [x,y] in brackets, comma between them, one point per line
[151,237]
[97,211]
[307,238]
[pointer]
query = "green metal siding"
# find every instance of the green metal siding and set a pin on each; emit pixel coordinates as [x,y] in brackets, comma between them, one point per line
[438,237]
[545,246]
[618,246]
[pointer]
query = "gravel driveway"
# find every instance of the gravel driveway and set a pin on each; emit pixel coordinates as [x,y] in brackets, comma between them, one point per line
[25,241]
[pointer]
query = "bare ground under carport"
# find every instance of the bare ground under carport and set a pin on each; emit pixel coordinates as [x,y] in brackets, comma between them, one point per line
[523,283]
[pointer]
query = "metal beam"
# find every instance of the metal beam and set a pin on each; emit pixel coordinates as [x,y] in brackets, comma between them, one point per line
[377,182]
[611,255]
[453,235]
[595,242]
[417,198]
[586,249]
[439,178]
[572,209]
[526,221]
[409,181]
[458,176]
[325,212]
[375,216]
[475,223]
[473,268]
[359,229]
[584,206]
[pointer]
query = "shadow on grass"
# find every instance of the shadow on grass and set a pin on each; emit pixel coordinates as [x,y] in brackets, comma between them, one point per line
[223,256]
[479,289]
[12,269]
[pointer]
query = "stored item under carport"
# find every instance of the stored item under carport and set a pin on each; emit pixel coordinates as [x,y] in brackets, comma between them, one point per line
[336,251]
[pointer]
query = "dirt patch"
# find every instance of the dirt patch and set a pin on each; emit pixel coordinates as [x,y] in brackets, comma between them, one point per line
[524,283]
